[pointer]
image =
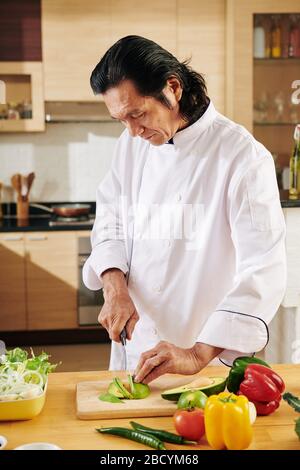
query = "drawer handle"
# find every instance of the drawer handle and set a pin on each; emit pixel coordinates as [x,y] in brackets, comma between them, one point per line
[37,238]
[16,238]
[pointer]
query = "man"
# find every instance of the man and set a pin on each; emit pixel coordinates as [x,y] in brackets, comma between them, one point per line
[186,296]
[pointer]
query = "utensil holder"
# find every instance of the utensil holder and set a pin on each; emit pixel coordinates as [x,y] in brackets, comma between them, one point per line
[22,208]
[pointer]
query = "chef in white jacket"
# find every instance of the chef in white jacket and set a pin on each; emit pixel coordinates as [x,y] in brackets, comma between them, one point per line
[188,241]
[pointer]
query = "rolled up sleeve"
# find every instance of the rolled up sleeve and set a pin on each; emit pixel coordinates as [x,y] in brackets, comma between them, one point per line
[239,324]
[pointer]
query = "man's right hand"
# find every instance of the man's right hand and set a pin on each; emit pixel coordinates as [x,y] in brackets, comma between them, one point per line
[118,310]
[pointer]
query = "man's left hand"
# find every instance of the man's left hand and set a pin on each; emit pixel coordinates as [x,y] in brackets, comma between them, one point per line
[168,358]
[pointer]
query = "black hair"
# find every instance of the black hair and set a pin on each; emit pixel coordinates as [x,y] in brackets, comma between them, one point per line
[149,66]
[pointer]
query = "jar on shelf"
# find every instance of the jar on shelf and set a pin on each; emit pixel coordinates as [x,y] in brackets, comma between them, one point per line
[26,110]
[12,111]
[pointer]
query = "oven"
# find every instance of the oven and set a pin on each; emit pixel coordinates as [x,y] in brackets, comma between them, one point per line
[89,302]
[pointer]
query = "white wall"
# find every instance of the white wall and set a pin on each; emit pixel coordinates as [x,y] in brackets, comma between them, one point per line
[69,160]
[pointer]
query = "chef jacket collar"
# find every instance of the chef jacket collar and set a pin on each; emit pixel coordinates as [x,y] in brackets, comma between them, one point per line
[193,131]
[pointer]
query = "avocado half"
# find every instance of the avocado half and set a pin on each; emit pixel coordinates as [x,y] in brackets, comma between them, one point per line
[216,386]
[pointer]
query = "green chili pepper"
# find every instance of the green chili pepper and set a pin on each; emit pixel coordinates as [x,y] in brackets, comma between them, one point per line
[160,434]
[141,437]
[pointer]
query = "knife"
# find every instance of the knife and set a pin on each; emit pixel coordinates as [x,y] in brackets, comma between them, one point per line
[123,341]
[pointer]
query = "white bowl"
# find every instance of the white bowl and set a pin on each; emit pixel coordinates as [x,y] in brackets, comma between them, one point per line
[38,446]
[3,442]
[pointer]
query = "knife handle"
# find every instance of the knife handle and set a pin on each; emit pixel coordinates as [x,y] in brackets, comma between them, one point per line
[123,336]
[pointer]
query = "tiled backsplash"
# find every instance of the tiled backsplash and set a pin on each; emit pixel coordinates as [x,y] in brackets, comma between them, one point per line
[69,160]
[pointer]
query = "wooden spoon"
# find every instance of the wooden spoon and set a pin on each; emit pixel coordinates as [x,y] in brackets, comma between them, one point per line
[30,179]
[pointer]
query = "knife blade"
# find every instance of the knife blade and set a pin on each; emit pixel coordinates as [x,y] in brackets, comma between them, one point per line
[123,341]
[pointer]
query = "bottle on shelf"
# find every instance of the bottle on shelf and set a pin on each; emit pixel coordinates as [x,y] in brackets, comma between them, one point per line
[259,38]
[294,191]
[275,37]
[294,37]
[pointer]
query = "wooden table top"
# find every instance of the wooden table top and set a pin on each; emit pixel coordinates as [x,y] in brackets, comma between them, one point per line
[57,423]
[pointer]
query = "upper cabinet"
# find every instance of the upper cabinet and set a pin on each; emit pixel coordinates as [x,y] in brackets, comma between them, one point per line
[75,37]
[201,37]
[21,70]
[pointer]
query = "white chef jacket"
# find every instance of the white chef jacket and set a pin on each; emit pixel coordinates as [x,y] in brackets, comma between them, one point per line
[222,281]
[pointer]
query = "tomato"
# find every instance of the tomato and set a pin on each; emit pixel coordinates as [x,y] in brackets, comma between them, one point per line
[190,424]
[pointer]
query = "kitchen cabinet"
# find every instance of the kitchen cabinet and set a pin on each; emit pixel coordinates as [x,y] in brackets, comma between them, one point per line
[75,35]
[239,51]
[154,20]
[200,36]
[38,280]
[24,96]
[51,280]
[12,282]
[75,38]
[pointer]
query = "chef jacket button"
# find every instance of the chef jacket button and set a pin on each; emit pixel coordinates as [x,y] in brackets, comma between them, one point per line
[168,242]
[179,197]
[157,288]
[154,331]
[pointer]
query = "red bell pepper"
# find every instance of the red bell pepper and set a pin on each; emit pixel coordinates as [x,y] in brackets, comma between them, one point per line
[263,387]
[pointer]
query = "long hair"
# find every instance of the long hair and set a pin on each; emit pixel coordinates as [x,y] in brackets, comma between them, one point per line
[149,66]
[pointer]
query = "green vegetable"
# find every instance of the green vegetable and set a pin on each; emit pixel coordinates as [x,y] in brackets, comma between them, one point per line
[297,427]
[138,390]
[110,398]
[217,386]
[128,391]
[120,387]
[292,400]
[236,374]
[141,437]
[190,400]
[160,434]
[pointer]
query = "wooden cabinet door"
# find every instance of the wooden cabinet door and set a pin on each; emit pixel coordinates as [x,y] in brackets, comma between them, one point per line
[12,282]
[75,35]
[154,20]
[201,37]
[51,276]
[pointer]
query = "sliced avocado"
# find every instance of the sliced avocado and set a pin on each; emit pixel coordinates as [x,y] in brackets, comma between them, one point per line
[218,385]
[114,390]
[125,393]
[138,390]
[110,398]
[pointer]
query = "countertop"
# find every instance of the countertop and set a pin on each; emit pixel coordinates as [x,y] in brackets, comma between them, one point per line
[58,424]
[39,222]
[286,202]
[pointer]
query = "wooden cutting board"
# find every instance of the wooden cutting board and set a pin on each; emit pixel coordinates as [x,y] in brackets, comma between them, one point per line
[88,406]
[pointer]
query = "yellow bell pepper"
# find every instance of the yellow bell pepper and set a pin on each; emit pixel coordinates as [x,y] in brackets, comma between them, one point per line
[227,422]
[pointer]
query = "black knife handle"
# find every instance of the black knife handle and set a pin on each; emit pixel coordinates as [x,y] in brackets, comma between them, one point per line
[123,336]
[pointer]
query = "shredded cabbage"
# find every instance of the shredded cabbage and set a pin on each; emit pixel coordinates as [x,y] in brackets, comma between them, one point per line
[23,377]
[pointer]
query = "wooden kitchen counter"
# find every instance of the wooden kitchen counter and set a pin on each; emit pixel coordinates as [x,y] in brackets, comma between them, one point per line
[58,424]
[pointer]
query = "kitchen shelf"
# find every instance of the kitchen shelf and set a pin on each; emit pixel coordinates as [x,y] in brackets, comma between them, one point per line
[23,82]
[274,123]
[277,61]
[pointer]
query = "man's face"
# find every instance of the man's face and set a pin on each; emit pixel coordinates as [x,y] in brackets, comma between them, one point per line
[146,116]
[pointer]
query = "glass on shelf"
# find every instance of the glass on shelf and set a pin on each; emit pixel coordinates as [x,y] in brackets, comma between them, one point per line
[261,108]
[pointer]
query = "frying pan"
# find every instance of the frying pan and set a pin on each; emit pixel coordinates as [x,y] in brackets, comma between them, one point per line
[66,210]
